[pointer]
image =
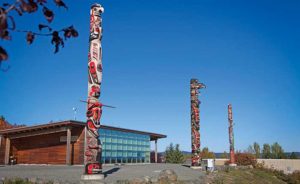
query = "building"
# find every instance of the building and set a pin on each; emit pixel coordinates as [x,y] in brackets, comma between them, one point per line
[63,143]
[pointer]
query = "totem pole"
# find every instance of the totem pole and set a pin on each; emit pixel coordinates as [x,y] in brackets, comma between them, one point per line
[93,149]
[231,138]
[195,122]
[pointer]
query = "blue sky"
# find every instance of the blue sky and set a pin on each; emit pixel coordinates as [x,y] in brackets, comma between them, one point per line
[246,52]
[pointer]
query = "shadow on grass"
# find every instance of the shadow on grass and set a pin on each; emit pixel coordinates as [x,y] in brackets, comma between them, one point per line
[111,171]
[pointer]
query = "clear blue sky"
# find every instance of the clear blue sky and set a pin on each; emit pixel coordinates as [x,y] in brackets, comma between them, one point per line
[246,52]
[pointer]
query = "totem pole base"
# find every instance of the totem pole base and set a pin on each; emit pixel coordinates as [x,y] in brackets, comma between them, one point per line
[196,167]
[92,177]
[232,165]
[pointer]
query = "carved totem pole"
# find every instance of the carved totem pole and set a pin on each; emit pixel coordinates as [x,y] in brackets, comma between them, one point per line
[231,137]
[195,122]
[93,149]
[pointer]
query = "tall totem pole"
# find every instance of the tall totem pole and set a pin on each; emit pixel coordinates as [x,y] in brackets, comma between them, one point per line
[231,136]
[195,122]
[93,149]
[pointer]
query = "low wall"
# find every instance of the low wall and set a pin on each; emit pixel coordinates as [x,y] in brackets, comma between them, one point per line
[285,165]
[220,161]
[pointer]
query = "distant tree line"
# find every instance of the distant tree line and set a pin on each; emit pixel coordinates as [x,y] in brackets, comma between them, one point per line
[274,151]
[173,154]
[205,153]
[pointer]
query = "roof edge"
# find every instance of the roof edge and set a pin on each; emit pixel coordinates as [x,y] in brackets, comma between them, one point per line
[75,123]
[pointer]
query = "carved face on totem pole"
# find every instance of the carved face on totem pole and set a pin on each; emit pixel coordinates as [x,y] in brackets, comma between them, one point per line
[195,121]
[95,22]
[94,107]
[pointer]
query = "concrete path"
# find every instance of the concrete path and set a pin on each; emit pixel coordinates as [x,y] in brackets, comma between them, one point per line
[72,174]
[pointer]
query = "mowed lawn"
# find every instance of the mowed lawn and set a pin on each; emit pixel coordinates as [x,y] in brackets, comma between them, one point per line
[250,176]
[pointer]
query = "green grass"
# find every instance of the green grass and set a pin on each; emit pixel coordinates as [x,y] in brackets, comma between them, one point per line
[250,176]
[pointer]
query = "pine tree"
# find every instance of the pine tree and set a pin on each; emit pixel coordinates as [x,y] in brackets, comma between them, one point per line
[293,156]
[173,154]
[266,152]
[256,149]
[277,151]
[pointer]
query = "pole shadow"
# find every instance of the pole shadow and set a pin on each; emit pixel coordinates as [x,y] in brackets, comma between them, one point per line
[111,171]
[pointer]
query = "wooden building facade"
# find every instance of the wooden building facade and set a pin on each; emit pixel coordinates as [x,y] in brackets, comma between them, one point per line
[53,143]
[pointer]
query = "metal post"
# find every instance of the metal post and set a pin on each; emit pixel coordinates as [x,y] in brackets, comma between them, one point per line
[231,136]
[93,149]
[68,151]
[195,123]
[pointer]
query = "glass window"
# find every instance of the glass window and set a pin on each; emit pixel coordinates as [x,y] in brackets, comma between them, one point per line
[108,146]
[134,142]
[120,140]
[129,141]
[108,139]
[101,131]
[114,133]
[119,147]
[107,132]
[131,135]
[107,153]
[114,147]
[124,147]
[119,154]
[114,140]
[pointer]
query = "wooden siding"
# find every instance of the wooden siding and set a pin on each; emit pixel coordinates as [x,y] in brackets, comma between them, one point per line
[77,148]
[2,150]
[46,149]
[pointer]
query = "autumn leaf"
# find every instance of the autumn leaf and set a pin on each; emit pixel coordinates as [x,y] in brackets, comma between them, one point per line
[29,37]
[48,14]
[5,35]
[57,40]
[3,54]
[29,7]
[70,31]
[60,3]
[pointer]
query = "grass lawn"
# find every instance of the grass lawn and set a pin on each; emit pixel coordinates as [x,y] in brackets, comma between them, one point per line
[254,176]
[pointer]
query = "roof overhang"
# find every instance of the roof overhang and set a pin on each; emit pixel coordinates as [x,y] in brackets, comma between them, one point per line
[61,126]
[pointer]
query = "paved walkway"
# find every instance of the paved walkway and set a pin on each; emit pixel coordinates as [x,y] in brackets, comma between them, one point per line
[72,174]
